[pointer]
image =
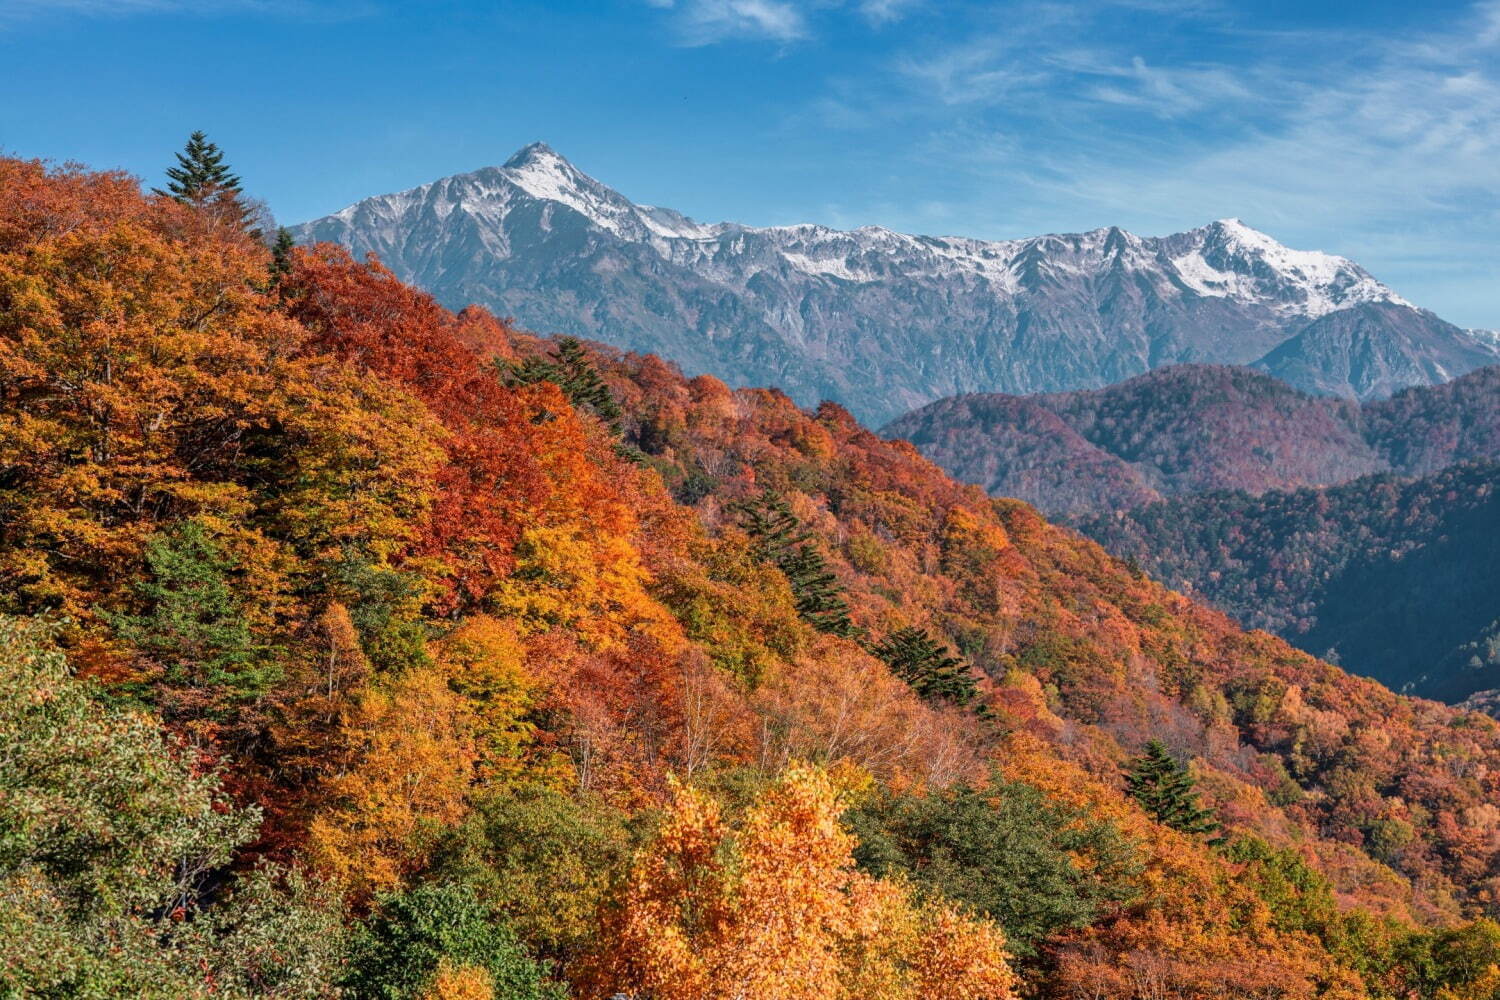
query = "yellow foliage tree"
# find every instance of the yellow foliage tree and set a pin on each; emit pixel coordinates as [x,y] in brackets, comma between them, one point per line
[779,910]
[411,777]
[460,982]
[484,662]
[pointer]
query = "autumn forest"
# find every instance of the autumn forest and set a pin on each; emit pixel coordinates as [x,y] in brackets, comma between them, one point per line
[355,647]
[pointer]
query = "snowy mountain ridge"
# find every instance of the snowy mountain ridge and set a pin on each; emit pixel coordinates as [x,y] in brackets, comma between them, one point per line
[870,317]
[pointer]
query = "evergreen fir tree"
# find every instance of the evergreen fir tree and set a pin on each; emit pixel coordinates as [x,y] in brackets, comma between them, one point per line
[281,254]
[1165,788]
[573,373]
[820,599]
[200,172]
[192,626]
[583,384]
[773,529]
[202,179]
[920,661]
[780,539]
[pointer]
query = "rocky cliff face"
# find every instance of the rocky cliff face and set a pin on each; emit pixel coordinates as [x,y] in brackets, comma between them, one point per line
[882,321]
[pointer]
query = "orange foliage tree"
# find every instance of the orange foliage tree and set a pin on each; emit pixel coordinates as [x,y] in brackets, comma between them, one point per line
[777,908]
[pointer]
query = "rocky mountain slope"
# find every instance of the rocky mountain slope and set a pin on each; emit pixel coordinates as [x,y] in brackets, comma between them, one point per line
[1190,429]
[882,321]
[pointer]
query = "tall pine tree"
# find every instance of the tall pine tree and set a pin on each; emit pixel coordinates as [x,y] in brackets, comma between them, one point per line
[200,172]
[1165,788]
[281,254]
[202,179]
[780,539]
[574,373]
[920,661]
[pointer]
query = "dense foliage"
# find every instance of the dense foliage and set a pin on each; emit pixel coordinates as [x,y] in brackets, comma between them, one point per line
[1395,579]
[358,647]
[1189,429]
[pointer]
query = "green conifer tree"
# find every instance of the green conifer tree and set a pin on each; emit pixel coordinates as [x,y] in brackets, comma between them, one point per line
[1165,788]
[583,384]
[192,626]
[780,539]
[920,661]
[202,179]
[200,173]
[574,373]
[281,254]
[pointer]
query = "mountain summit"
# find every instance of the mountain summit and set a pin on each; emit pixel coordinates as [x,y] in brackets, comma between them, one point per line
[883,321]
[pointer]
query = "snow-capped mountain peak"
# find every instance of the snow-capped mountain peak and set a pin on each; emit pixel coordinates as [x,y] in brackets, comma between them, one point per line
[1229,259]
[539,171]
[878,319]
[543,174]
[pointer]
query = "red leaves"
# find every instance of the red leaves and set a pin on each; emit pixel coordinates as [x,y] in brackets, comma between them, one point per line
[517,457]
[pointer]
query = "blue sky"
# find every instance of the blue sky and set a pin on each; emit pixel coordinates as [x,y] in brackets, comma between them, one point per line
[1368,129]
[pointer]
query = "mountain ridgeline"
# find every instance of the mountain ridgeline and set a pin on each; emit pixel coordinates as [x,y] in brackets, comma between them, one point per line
[1192,429]
[882,322]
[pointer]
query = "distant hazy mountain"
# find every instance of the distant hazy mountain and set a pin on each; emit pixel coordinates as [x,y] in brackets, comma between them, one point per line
[881,321]
[1369,534]
[1391,578]
[1191,429]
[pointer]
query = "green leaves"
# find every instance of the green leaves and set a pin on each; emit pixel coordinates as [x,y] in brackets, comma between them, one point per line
[108,836]
[399,950]
[94,800]
[780,539]
[1165,788]
[193,628]
[1034,866]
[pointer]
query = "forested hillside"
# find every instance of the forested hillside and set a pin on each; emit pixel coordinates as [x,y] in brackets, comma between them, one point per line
[1397,579]
[1192,429]
[354,647]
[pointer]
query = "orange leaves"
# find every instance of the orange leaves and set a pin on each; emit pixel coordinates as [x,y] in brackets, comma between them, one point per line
[411,778]
[529,489]
[143,379]
[776,909]
[38,202]
[961,959]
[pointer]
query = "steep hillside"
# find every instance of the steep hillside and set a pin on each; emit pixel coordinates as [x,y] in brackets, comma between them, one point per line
[881,321]
[1191,429]
[1395,579]
[1019,446]
[356,647]
[1423,430]
[1374,349]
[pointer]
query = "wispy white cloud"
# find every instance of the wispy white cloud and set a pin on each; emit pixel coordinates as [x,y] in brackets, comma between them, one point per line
[706,22]
[887,11]
[1385,148]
